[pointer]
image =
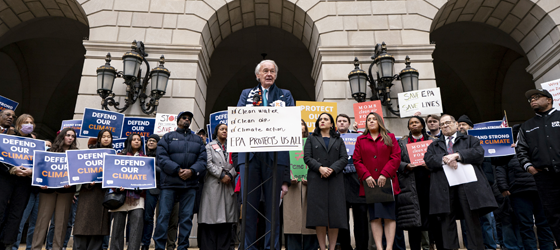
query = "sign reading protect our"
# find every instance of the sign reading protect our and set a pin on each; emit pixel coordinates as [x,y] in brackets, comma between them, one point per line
[49,169]
[18,151]
[310,111]
[86,166]
[129,172]
[95,120]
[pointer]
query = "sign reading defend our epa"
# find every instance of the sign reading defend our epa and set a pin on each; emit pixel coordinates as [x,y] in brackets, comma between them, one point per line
[264,129]
[95,120]
[18,151]
[129,172]
[425,101]
[496,141]
[86,166]
[49,169]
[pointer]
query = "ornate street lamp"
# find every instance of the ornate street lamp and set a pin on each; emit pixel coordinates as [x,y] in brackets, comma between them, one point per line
[381,85]
[135,84]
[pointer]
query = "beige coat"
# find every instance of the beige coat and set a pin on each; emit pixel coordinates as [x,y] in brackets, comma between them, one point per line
[295,210]
[218,202]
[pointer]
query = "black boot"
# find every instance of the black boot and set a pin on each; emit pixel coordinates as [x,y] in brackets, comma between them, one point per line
[145,247]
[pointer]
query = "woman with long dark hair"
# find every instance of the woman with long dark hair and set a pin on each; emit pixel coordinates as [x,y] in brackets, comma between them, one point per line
[133,207]
[55,200]
[377,157]
[325,155]
[92,221]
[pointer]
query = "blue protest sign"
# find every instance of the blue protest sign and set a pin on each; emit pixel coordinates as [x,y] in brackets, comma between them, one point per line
[487,125]
[75,124]
[217,118]
[119,144]
[209,138]
[86,166]
[129,172]
[6,103]
[138,125]
[95,120]
[49,169]
[350,141]
[496,141]
[18,151]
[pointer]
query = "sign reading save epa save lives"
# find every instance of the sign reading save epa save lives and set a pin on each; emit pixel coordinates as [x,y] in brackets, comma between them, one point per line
[49,169]
[6,103]
[425,101]
[86,166]
[95,120]
[362,109]
[18,151]
[129,172]
[496,141]
[138,125]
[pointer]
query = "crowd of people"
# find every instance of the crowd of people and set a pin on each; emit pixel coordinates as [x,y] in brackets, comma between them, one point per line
[517,193]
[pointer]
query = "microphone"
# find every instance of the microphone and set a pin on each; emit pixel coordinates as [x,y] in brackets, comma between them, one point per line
[256,99]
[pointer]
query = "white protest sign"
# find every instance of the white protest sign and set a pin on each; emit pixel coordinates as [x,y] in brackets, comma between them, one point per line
[426,101]
[554,88]
[263,129]
[165,123]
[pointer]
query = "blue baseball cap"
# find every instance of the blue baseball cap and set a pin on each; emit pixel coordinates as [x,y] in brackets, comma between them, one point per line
[188,113]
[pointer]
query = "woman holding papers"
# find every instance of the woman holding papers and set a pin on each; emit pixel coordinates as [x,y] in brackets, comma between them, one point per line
[133,207]
[55,200]
[413,202]
[377,157]
[92,221]
[325,155]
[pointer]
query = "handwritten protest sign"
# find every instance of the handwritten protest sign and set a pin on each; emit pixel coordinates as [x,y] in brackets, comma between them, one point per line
[362,109]
[75,124]
[417,150]
[18,151]
[138,125]
[129,172]
[350,141]
[263,129]
[554,88]
[298,168]
[6,103]
[165,123]
[216,118]
[86,166]
[49,169]
[310,111]
[95,120]
[496,141]
[426,101]
[487,125]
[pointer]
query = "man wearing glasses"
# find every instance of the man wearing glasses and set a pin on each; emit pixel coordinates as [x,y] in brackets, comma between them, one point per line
[469,200]
[538,151]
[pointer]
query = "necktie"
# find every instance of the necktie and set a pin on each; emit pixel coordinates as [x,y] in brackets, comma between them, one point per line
[265,100]
[450,145]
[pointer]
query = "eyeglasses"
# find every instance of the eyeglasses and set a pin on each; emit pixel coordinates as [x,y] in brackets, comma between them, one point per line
[534,97]
[447,123]
[266,72]
[184,117]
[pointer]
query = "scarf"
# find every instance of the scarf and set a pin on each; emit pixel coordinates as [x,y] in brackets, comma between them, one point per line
[274,94]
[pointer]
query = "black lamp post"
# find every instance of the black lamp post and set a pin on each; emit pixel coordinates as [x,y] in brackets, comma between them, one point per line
[381,85]
[135,84]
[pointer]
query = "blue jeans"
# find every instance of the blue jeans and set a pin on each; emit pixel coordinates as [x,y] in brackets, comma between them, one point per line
[186,198]
[526,205]
[31,213]
[50,234]
[511,239]
[149,209]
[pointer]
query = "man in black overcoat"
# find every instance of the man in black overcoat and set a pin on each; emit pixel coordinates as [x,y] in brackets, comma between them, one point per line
[469,200]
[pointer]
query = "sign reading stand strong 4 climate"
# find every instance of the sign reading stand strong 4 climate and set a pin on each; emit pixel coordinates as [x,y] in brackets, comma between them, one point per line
[95,120]
[18,151]
[86,166]
[75,124]
[496,141]
[129,172]
[6,103]
[264,129]
[49,169]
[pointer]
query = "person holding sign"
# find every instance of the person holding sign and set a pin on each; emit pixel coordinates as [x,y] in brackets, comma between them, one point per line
[325,155]
[133,207]
[413,203]
[92,221]
[55,200]
[473,199]
[266,93]
[376,161]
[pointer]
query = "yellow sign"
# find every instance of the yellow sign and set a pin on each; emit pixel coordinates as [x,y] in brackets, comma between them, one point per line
[310,111]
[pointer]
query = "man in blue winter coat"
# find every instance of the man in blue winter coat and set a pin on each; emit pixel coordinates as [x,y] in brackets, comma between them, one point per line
[181,155]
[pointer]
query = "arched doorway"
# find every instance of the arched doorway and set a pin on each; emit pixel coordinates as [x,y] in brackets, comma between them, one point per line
[42,56]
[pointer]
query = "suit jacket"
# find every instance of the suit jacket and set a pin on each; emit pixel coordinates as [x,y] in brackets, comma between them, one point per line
[479,193]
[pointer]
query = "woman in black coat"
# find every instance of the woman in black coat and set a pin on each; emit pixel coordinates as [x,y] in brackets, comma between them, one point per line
[325,155]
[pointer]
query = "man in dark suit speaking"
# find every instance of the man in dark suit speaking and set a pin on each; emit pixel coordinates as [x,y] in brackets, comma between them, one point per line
[266,93]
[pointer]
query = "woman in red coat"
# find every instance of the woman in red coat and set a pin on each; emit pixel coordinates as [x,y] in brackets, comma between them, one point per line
[377,157]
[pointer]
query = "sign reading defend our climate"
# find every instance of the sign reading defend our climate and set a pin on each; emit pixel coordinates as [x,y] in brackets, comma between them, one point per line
[129,172]
[95,120]
[216,118]
[425,101]
[138,125]
[362,109]
[6,103]
[18,151]
[86,166]
[263,129]
[496,141]
[49,169]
